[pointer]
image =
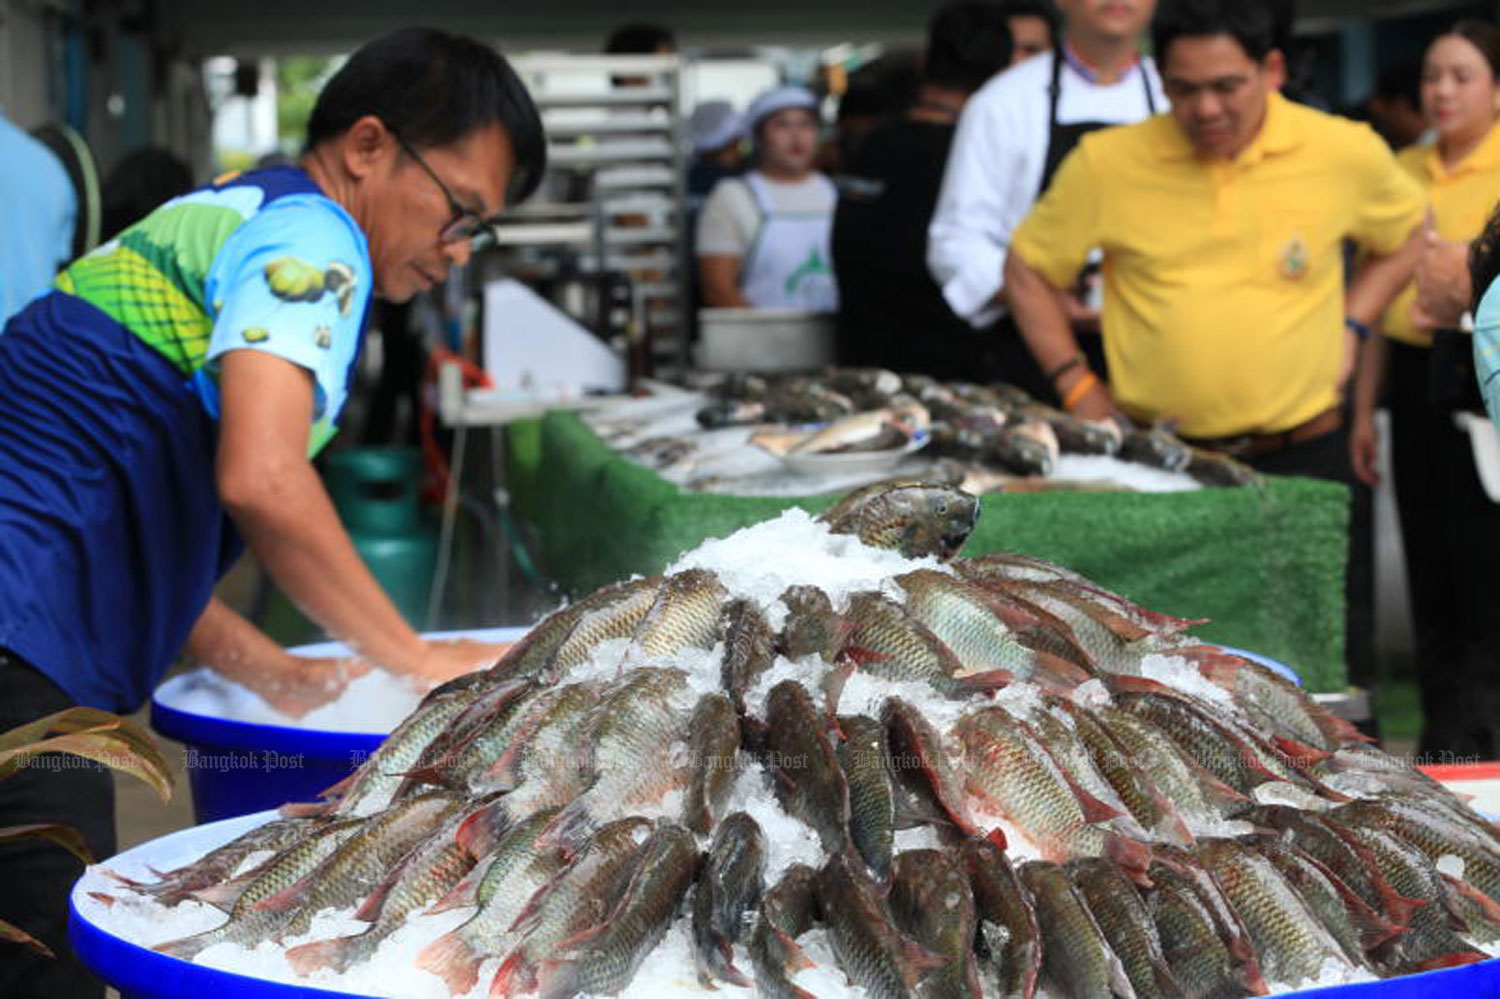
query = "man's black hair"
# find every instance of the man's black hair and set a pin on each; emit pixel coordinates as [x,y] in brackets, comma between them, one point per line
[639,39]
[967,43]
[433,89]
[1254,24]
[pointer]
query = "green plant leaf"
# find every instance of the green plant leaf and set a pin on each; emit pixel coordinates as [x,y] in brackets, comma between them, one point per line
[64,836]
[17,935]
[69,720]
[129,751]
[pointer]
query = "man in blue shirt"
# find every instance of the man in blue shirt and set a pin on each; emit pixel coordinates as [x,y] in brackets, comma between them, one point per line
[159,408]
[37,213]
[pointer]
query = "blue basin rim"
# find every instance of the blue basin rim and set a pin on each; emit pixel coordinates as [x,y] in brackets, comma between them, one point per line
[250,737]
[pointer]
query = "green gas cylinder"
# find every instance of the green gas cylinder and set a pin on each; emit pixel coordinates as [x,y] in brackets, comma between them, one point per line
[375,491]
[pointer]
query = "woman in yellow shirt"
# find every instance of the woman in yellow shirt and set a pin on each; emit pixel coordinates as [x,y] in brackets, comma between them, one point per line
[1450,529]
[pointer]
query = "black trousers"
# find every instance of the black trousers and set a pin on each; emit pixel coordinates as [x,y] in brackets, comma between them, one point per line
[1327,457]
[1451,532]
[35,875]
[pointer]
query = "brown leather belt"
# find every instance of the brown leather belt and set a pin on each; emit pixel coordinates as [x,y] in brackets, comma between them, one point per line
[1252,445]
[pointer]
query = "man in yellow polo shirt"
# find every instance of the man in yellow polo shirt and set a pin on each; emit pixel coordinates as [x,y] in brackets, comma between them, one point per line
[1222,226]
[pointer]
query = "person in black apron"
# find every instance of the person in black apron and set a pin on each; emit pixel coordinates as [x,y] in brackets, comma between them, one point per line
[1012,359]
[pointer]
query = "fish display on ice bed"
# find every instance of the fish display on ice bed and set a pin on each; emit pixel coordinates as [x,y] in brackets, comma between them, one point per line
[830,758]
[770,434]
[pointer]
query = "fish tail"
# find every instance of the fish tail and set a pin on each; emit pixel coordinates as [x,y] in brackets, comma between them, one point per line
[984,682]
[514,977]
[188,947]
[305,809]
[1132,856]
[453,959]
[336,954]
[571,826]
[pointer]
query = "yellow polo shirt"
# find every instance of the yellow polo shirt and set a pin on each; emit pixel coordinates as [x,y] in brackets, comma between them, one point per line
[1223,280]
[1461,204]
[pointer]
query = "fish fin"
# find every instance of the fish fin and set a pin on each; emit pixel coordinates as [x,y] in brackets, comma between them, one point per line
[1094,810]
[99,896]
[921,961]
[727,970]
[997,836]
[1453,960]
[1131,856]
[220,896]
[833,684]
[339,787]
[793,956]
[482,831]
[289,897]
[861,656]
[978,683]
[514,977]
[571,826]
[435,774]
[129,882]
[309,957]
[304,809]
[186,948]
[1056,673]
[1299,754]
[1487,906]
[1124,683]
[452,959]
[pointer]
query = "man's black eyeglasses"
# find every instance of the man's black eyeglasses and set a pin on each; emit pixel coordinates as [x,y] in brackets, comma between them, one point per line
[464,224]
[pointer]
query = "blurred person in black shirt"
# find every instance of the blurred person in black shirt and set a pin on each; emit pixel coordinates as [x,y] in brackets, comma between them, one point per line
[892,314]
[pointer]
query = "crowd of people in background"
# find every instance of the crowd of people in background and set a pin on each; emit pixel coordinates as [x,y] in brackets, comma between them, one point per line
[1188,237]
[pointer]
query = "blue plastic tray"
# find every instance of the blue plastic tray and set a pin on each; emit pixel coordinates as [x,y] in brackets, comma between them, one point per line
[235,768]
[141,973]
[1265,661]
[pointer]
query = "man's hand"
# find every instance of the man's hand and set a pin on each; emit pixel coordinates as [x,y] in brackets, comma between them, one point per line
[442,661]
[1364,449]
[1081,315]
[302,685]
[1442,280]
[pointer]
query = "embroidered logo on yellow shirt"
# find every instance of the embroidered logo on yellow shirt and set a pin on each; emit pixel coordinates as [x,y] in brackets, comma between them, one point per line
[1294,259]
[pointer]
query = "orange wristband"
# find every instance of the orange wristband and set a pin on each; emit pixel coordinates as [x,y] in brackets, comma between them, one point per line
[1080,388]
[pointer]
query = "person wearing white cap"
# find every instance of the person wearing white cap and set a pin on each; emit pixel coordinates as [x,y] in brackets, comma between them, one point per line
[763,239]
[715,131]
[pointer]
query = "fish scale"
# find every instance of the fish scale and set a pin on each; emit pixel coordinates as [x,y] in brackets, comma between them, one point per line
[1291,944]
[786,912]
[1076,956]
[1010,770]
[1126,923]
[602,961]
[249,921]
[516,870]
[685,615]
[728,889]
[360,862]
[713,749]
[1190,941]
[1016,951]
[617,617]
[933,903]
[640,717]
[872,804]
[872,951]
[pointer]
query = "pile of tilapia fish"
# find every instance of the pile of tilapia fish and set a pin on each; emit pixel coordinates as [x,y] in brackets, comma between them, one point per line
[1095,830]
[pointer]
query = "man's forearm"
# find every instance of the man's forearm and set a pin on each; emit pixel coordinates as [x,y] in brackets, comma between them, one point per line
[227,643]
[1039,313]
[1380,279]
[290,524]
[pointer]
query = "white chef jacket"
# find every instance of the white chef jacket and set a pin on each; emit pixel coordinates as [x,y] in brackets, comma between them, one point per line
[995,169]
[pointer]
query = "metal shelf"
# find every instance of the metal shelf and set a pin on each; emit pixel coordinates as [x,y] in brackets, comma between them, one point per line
[623,145]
